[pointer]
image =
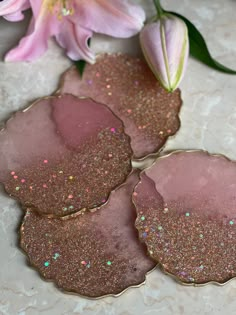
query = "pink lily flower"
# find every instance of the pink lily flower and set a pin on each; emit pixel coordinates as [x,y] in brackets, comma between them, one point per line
[165,45]
[72,23]
[11,10]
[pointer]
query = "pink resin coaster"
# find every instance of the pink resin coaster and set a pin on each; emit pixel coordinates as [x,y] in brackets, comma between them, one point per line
[128,87]
[93,254]
[186,205]
[64,154]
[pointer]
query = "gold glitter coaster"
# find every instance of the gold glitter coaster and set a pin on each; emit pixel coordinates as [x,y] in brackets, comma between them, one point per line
[129,88]
[64,154]
[186,205]
[94,254]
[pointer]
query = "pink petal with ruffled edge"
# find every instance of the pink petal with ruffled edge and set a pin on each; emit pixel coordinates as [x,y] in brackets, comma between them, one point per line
[15,17]
[35,43]
[74,39]
[11,9]
[113,17]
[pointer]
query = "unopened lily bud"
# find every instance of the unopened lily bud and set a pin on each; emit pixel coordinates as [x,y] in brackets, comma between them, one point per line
[165,45]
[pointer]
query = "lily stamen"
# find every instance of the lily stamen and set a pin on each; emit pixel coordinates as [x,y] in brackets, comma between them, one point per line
[60,8]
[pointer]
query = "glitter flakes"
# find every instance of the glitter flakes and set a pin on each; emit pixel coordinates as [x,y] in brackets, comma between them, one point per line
[56,255]
[128,87]
[142,218]
[196,246]
[144,234]
[86,264]
[109,263]
[46,264]
[17,188]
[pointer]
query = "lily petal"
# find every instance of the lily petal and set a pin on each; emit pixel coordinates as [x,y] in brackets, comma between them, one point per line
[74,39]
[118,18]
[35,43]
[165,45]
[151,44]
[72,23]
[176,41]
[14,17]
[11,10]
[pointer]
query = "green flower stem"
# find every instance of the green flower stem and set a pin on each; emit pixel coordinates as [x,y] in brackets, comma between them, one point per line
[159,9]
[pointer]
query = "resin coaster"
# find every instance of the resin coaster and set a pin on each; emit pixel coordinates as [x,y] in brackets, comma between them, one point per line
[93,254]
[64,154]
[186,204]
[128,87]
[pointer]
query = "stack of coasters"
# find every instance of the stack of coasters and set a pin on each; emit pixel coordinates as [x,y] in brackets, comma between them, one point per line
[95,226]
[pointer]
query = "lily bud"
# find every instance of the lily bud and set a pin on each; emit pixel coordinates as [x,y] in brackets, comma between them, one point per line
[165,45]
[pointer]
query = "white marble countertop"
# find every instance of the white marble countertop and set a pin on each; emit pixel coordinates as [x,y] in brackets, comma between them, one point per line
[208,122]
